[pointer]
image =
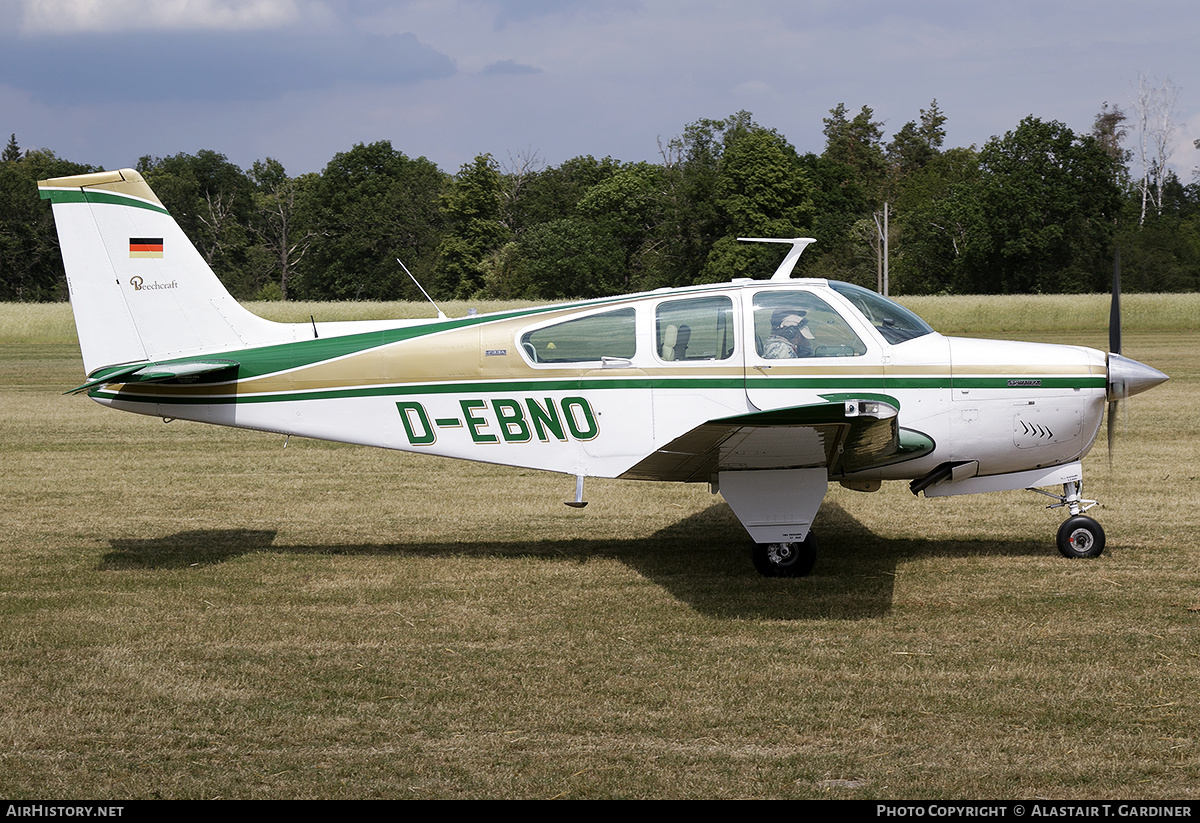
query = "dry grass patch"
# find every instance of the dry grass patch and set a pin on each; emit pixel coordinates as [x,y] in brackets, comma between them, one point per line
[189,611]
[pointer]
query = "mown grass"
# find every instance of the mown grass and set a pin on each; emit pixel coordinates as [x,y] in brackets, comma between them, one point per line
[971,315]
[189,611]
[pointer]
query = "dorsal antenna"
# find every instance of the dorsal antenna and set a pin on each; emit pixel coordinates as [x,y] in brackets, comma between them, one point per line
[441,314]
[799,244]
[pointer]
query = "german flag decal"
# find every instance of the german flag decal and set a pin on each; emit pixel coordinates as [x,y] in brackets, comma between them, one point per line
[145,247]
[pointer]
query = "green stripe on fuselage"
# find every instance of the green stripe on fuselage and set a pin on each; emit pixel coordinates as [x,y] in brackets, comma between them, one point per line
[852,385]
[282,357]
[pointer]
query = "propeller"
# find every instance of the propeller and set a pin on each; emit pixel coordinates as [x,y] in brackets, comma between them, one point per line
[1126,377]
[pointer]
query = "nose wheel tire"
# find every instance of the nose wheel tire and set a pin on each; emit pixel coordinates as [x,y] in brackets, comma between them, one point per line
[1080,536]
[786,559]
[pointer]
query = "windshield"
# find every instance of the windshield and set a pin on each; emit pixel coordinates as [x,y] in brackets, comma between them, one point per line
[892,320]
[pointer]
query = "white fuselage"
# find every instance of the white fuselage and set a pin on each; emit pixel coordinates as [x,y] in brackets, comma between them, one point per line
[479,390]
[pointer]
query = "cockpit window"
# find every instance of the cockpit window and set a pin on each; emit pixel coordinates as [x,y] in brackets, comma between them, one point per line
[894,322]
[793,324]
[611,334]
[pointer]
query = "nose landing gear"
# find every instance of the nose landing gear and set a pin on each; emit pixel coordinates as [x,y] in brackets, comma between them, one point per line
[1079,536]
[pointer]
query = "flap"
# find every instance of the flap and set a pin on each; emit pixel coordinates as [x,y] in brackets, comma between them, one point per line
[866,430]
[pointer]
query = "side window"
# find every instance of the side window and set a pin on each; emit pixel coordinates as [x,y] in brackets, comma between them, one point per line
[795,324]
[611,334]
[698,329]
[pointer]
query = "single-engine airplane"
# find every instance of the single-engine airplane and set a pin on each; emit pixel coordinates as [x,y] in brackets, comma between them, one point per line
[765,389]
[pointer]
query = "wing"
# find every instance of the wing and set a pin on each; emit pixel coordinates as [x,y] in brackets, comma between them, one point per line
[843,436]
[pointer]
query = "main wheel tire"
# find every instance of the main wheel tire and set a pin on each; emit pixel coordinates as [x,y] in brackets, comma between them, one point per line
[786,559]
[1080,536]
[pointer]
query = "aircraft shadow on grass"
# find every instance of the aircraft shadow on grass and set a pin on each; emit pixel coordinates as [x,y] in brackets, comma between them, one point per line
[701,560]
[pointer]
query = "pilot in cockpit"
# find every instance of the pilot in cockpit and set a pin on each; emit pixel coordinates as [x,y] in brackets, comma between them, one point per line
[789,335]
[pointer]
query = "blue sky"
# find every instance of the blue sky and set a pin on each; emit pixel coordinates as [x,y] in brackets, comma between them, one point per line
[107,81]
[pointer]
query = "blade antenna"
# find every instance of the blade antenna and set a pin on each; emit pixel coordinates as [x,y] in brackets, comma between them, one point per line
[441,314]
[798,245]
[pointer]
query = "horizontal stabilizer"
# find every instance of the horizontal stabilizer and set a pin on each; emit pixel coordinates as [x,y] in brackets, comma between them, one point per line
[183,371]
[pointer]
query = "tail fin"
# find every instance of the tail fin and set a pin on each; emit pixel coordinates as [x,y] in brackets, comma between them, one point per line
[139,289]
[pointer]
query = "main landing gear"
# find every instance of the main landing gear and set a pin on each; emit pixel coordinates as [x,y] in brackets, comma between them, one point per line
[786,559]
[1079,536]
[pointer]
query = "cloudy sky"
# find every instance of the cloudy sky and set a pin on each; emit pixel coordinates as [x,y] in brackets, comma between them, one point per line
[106,81]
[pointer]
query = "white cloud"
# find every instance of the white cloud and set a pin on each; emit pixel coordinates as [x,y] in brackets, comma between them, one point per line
[510,67]
[68,16]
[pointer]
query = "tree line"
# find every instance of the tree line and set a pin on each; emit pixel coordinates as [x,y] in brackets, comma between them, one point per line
[1040,209]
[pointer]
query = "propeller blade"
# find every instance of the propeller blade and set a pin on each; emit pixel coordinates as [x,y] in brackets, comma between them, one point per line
[1125,377]
[1114,314]
[1112,429]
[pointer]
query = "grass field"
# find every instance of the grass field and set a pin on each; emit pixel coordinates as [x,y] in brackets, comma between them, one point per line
[195,612]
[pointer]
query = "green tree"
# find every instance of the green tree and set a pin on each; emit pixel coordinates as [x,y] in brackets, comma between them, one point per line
[839,202]
[917,144]
[30,261]
[471,208]
[849,179]
[212,200]
[1048,202]
[371,205]
[628,207]
[554,192]
[939,233]
[761,191]
[723,179]
[572,257]
[283,239]
[507,278]
[611,225]
[692,220]
[1162,255]
[1162,252]
[857,143]
[12,151]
